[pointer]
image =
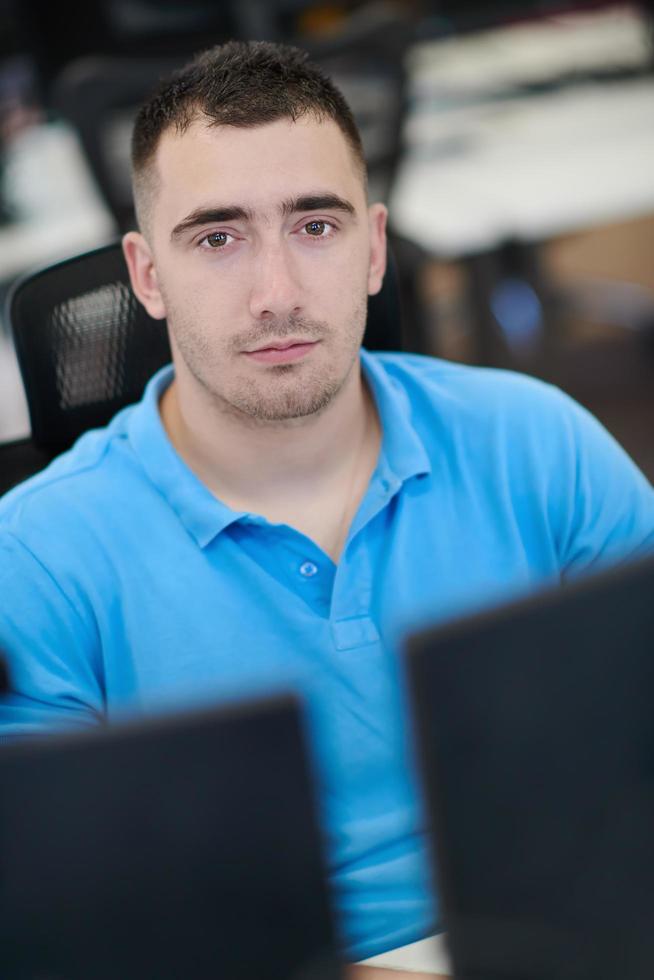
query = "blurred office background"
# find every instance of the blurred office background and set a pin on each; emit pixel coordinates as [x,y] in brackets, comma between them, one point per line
[512,141]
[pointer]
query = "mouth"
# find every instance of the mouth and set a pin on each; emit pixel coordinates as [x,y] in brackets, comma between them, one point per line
[282,351]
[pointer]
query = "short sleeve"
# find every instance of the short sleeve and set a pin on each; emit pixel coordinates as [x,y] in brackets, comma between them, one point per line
[606,504]
[50,646]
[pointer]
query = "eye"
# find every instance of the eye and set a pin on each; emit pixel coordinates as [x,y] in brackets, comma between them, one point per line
[316,228]
[217,239]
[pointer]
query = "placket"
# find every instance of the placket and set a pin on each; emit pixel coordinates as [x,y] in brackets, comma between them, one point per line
[291,558]
[351,606]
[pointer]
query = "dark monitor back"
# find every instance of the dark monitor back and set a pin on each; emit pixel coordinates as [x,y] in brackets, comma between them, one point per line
[536,725]
[169,849]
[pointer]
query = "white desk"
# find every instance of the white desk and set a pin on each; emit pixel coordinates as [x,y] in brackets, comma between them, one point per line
[529,168]
[428,956]
[485,163]
[14,419]
[60,211]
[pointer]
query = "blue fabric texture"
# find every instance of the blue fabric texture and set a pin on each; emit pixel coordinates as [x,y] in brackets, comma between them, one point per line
[126,587]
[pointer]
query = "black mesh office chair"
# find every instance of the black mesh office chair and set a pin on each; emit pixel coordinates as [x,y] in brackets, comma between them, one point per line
[86,348]
[85,345]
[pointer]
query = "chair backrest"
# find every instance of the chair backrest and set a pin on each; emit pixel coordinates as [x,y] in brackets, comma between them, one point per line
[86,347]
[100,95]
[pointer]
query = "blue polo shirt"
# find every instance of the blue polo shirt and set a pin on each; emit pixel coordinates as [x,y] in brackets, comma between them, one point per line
[125,586]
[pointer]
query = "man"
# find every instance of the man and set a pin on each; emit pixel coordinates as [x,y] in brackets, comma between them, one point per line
[281,507]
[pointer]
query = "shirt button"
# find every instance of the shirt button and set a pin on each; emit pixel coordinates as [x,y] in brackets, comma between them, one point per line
[308,569]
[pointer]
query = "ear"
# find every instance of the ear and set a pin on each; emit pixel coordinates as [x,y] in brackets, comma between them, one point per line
[143,274]
[377,215]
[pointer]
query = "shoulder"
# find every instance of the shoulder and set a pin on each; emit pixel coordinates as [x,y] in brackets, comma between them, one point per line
[501,425]
[440,377]
[525,442]
[98,474]
[78,486]
[459,396]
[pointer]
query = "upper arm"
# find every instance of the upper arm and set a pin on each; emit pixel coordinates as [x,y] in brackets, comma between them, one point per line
[50,644]
[605,504]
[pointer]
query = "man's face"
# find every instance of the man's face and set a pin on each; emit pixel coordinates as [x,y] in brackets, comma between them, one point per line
[261,253]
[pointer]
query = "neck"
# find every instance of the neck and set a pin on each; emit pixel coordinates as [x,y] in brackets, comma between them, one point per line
[264,466]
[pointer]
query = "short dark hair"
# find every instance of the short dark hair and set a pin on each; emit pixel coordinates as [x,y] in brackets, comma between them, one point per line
[243,84]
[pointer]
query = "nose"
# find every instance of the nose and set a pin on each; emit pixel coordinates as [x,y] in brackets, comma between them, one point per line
[275,288]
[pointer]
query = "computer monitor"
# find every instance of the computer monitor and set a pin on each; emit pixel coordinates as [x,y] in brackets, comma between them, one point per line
[535,724]
[177,848]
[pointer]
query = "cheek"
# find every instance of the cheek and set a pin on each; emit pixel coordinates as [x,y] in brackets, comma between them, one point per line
[342,283]
[352,293]
[203,295]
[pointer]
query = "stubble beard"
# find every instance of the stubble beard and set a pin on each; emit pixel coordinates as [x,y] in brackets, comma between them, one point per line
[283,392]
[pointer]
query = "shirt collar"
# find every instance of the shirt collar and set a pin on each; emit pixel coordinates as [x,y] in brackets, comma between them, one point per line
[199,511]
[402,454]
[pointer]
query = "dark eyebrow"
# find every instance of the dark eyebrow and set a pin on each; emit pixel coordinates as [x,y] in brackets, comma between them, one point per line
[209,216]
[317,202]
[294,205]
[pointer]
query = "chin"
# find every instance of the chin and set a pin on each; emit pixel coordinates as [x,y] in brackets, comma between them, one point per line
[303,402]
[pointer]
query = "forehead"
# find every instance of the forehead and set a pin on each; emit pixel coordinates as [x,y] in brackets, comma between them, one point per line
[256,167]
